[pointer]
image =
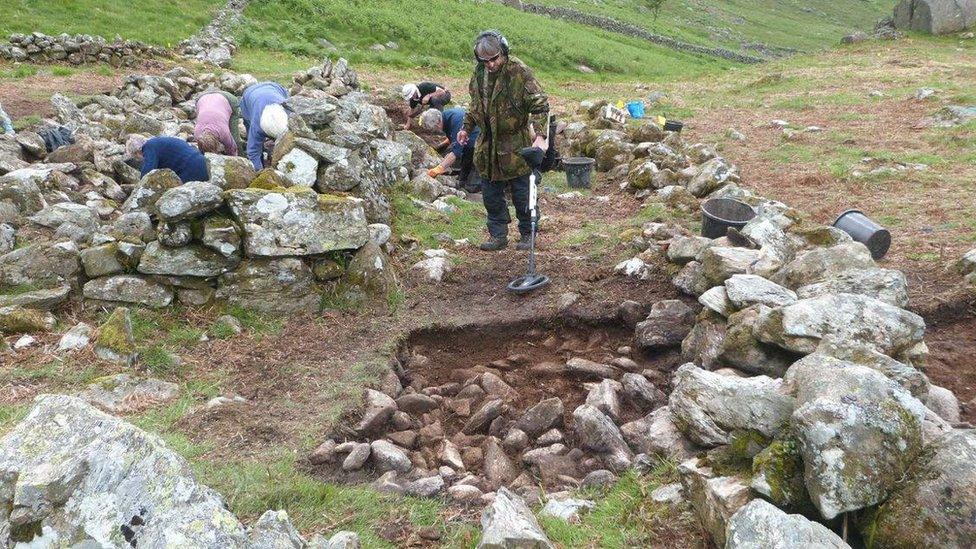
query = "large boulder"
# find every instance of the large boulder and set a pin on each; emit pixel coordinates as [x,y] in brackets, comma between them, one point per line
[715,498]
[598,433]
[22,190]
[299,222]
[759,525]
[801,326]
[858,432]
[66,480]
[41,265]
[935,505]
[719,263]
[740,348]
[666,325]
[744,290]
[275,286]
[145,194]
[823,263]
[508,523]
[712,175]
[657,434]
[709,408]
[66,212]
[192,260]
[886,285]
[188,201]
[128,289]
[369,276]
[935,16]
[230,172]
[704,343]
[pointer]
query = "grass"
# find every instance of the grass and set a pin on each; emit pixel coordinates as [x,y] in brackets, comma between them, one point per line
[442,44]
[424,225]
[602,242]
[165,23]
[729,23]
[627,517]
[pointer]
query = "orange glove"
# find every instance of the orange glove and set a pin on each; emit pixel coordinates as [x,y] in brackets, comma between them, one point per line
[435,171]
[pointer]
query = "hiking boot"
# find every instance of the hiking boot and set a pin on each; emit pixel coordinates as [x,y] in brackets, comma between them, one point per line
[525,243]
[494,244]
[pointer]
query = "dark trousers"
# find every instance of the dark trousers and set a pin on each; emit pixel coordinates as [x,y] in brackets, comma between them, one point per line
[493,196]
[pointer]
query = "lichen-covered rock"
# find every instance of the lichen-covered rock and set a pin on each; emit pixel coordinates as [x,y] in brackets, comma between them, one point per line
[274,286]
[704,343]
[299,222]
[73,485]
[18,320]
[115,340]
[123,393]
[666,325]
[275,531]
[598,433]
[128,289]
[22,189]
[741,349]
[905,375]
[41,265]
[509,523]
[188,201]
[712,175]
[719,263]
[221,235]
[759,525]
[134,227]
[102,260]
[691,279]
[65,212]
[886,285]
[858,432]
[145,194]
[369,276]
[299,166]
[230,172]
[935,505]
[709,408]
[801,326]
[717,300]
[46,299]
[656,434]
[187,261]
[687,248]
[823,263]
[745,290]
[714,498]
[777,473]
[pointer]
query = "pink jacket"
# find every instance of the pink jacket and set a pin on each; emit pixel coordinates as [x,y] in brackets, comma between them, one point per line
[213,114]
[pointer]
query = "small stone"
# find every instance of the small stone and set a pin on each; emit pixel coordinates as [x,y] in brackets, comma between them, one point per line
[669,493]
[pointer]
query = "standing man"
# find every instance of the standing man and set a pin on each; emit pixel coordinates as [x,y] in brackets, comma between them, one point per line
[264,117]
[510,107]
[217,129]
[421,96]
[449,122]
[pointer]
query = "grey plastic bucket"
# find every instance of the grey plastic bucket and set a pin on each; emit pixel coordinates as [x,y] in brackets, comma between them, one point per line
[718,214]
[578,171]
[864,230]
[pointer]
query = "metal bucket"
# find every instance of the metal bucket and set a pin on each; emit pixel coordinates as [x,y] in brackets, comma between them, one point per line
[864,230]
[578,171]
[718,214]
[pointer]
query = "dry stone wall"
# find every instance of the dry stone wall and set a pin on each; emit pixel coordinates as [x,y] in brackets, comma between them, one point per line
[78,49]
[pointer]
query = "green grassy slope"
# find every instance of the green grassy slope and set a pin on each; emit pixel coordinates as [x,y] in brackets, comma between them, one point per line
[799,24]
[437,34]
[162,22]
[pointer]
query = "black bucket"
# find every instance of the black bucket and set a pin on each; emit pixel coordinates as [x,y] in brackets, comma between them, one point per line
[578,170]
[673,126]
[718,214]
[864,230]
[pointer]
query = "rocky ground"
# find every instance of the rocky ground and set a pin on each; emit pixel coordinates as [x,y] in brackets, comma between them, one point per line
[767,339]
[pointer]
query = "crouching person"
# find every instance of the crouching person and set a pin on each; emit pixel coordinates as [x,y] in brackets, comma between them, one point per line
[450,123]
[168,152]
[265,118]
[217,128]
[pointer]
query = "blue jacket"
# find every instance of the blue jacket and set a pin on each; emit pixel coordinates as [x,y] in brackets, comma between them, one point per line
[256,98]
[177,155]
[453,122]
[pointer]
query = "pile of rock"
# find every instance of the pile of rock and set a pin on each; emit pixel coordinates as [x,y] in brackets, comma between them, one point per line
[84,222]
[62,482]
[475,433]
[214,43]
[78,49]
[336,79]
[805,381]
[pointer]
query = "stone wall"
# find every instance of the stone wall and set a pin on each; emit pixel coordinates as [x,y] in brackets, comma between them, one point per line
[619,27]
[213,44]
[78,49]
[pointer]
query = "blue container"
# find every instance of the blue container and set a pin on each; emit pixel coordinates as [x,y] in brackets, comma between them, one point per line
[636,109]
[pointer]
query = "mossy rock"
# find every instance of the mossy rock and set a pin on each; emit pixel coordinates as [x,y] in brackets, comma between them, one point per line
[736,458]
[18,320]
[282,147]
[115,340]
[270,180]
[777,473]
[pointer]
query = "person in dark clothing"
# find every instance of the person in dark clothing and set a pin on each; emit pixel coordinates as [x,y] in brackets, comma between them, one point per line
[421,96]
[450,123]
[173,153]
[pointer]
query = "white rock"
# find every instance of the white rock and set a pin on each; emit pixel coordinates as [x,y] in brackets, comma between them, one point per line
[76,338]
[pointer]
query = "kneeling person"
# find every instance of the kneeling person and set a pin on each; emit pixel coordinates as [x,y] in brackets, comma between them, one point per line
[168,152]
[450,122]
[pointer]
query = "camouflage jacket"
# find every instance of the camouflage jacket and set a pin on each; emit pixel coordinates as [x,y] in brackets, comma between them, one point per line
[515,100]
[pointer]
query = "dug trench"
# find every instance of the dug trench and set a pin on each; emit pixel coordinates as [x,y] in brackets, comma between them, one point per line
[493,405]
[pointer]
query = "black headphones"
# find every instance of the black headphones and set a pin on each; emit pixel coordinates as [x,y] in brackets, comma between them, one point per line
[491,33]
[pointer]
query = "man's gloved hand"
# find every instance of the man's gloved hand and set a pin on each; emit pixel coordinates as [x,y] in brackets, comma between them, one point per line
[435,171]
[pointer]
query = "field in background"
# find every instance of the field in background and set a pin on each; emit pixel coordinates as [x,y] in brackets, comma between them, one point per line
[804,25]
[162,22]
